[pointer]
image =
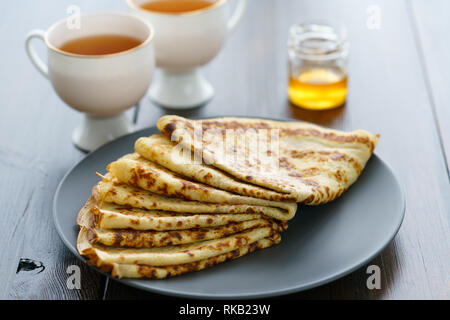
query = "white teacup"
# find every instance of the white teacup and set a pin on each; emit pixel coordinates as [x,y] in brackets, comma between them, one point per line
[101,86]
[184,42]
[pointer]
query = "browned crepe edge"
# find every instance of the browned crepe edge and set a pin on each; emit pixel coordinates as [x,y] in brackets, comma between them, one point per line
[128,238]
[151,272]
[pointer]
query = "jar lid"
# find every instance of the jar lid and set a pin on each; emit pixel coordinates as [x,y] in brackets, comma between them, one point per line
[316,42]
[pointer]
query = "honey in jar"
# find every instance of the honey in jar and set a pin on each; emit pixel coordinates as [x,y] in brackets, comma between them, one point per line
[317,67]
[318,89]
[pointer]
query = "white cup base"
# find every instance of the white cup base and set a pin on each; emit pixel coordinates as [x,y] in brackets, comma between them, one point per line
[95,132]
[180,90]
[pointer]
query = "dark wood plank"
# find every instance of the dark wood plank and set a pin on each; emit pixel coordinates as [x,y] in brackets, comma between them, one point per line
[432,27]
[388,95]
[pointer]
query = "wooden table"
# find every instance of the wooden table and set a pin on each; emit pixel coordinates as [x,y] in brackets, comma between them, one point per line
[399,87]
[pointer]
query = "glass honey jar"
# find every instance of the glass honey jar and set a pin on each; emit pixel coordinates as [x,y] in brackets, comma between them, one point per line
[318,58]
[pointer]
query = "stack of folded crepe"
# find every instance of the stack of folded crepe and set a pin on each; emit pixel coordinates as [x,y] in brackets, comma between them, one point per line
[156,215]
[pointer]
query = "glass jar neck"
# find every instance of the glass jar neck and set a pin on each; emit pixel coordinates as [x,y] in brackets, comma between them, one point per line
[316,42]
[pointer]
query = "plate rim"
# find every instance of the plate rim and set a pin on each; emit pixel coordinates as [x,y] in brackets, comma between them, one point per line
[213,296]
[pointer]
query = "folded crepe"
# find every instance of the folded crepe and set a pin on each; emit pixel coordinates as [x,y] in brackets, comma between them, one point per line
[147,239]
[100,255]
[313,164]
[137,171]
[106,215]
[143,271]
[159,149]
[120,270]
[110,190]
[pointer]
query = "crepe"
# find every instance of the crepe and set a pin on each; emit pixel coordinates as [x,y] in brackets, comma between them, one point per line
[100,255]
[145,271]
[313,164]
[147,239]
[137,171]
[112,191]
[142,271]
[159,149]
[104,215]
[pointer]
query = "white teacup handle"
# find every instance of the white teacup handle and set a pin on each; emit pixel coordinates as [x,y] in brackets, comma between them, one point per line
[37,62]
[237,14]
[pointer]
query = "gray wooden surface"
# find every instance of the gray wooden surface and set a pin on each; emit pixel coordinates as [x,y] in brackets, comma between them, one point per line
[398,88]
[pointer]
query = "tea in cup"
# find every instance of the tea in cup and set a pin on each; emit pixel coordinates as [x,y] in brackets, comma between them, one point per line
[188,35]
[101,69]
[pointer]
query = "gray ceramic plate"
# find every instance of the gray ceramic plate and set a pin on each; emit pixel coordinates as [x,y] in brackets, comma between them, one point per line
[322,243]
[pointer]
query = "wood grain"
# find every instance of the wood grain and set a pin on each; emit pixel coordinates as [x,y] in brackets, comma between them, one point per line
[397,88]
[431,23]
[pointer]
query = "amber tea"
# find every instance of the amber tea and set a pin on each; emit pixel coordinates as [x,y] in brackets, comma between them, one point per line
[176,6]
[100,44]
